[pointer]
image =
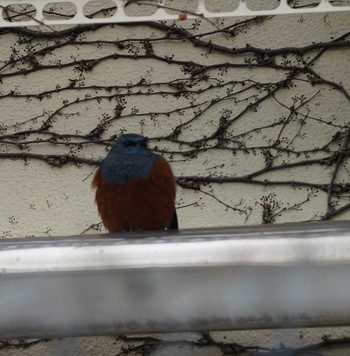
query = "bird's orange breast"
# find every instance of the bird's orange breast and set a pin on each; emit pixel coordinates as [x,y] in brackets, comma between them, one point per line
[142,204]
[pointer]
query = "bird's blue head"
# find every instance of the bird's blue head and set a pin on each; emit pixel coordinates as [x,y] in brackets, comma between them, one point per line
[129,159]
[131,144]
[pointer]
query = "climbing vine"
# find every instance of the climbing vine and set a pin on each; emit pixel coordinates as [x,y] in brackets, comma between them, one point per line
[259,129]
[226,112]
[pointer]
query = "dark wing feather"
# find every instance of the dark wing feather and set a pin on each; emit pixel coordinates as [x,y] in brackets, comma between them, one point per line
[174,225]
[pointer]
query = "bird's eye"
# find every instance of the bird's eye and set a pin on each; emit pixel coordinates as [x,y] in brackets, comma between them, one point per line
[127,144]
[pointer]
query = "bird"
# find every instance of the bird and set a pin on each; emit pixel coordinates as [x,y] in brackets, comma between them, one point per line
[135,188]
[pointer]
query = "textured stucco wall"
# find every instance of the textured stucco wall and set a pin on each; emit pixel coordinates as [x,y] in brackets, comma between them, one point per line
[41,200]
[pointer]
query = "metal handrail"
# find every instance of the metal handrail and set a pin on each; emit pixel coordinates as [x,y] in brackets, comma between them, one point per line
[38,15]
[218,279]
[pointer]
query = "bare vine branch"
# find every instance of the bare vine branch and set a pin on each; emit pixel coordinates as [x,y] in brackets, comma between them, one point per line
[209,105]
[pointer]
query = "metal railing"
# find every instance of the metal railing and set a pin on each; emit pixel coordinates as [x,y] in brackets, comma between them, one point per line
[37,12]
[291,275]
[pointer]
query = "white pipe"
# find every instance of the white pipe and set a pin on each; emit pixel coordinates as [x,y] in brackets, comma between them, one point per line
[290,275]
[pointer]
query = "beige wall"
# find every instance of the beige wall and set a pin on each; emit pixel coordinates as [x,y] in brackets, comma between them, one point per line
[38,199]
